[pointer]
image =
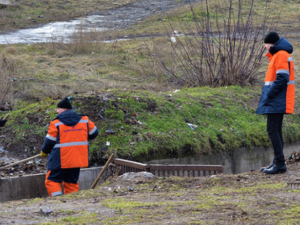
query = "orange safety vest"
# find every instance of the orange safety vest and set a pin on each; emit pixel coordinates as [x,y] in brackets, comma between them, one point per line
[278,94]
[71,148]
[281,62]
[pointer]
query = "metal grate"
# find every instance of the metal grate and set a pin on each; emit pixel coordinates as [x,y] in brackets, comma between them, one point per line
[160,170]
[293,185]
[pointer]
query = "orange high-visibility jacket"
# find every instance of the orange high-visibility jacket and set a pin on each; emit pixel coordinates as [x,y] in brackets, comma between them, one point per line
[67,140]
[278,94]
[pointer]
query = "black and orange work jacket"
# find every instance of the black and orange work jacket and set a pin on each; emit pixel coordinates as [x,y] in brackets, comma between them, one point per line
[67,140]
[278,94]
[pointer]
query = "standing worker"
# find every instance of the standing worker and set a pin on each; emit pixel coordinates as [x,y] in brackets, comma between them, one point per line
[67,144]
[278,95]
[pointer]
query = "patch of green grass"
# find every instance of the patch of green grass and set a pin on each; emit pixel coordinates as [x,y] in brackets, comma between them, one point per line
[33,201]
[70,212]
[289,214]
[262,186]
[69,219]
[151,125]
[84,219]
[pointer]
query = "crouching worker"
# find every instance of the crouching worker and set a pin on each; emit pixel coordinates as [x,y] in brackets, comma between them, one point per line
[67,146]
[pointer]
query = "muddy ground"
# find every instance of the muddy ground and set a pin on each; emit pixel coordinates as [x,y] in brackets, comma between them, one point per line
[135,12]
[13,150]
[35,166]
[248,198]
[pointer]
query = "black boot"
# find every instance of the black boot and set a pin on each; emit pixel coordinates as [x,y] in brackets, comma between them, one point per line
[268,167]
[276,169]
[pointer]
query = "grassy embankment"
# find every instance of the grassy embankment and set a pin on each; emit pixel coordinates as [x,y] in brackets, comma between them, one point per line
[148,122]
[283,16]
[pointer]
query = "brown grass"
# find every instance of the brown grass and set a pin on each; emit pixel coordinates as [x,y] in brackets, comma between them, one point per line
[7,77]
[88,64]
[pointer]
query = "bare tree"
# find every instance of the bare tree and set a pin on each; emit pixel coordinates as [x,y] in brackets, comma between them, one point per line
[223,47]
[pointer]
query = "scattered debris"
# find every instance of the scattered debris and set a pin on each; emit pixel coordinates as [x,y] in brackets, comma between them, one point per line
[30,167]
[110,131]
[294,157]
[130,188]
[100,114]
[139,122]
[192,126]
[45,210]
[132,175]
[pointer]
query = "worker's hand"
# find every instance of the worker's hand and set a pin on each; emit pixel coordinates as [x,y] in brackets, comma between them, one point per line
[43,154]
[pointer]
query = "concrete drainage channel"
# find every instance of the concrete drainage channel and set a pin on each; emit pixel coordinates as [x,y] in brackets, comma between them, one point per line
[33,186]
[241,160]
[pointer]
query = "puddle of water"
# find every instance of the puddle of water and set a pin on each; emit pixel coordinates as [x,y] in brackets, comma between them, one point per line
[107,20]
[53,31]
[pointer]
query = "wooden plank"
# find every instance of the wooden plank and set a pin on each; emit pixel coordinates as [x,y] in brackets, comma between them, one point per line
[130,164]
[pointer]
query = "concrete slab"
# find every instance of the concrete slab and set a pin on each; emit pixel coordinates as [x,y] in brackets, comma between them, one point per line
[33,186]
[241,160]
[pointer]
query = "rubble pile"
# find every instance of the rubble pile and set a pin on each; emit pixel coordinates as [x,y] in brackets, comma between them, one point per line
[294,157]
[30,167]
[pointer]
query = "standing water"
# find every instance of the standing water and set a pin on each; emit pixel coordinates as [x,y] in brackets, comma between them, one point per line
[58,31]
[106,20]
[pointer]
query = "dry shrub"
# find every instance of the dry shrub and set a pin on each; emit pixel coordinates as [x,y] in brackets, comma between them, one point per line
[11,50]
[7,77]
[221,48]
[81,41]
[31,90]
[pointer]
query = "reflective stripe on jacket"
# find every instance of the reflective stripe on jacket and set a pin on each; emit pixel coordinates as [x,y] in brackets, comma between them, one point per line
[67,140]
[278,94]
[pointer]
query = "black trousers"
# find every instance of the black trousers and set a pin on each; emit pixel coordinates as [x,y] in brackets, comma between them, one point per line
[274,129]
